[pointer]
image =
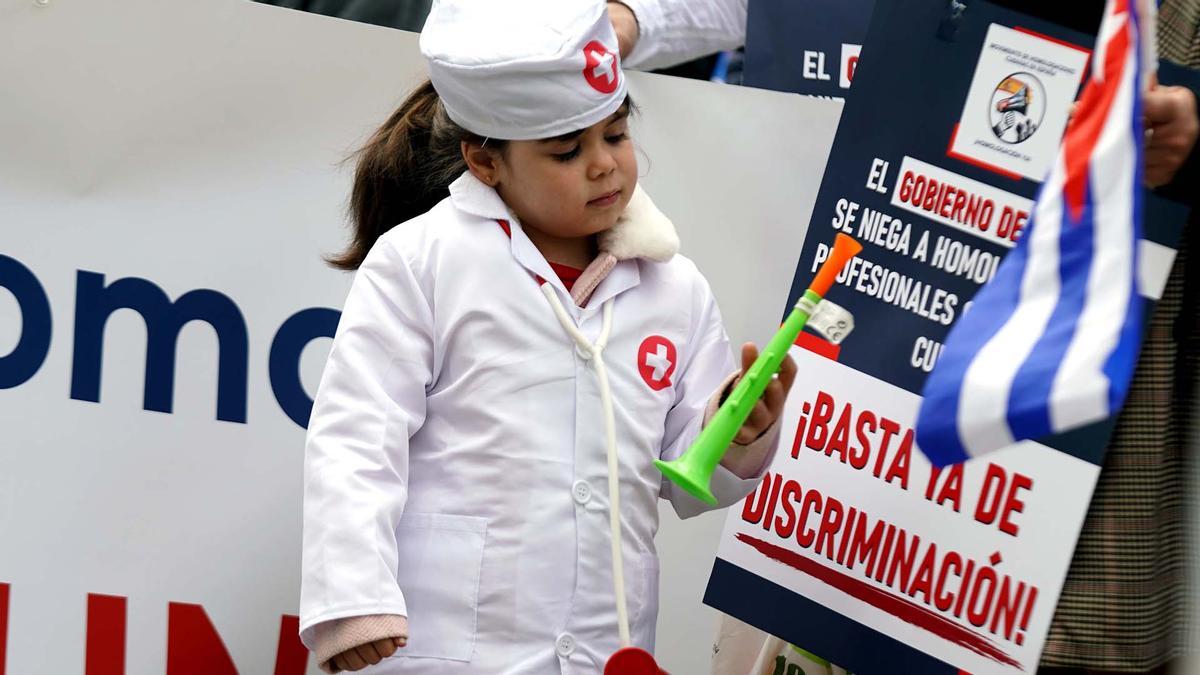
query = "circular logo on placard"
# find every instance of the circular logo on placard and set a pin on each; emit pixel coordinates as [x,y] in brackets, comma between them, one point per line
[1016,108]
[601,69]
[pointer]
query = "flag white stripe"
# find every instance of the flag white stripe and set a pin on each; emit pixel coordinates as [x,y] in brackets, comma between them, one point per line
[989,379]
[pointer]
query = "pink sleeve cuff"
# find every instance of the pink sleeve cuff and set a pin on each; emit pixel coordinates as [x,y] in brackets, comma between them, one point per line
[334,637]
[744,461]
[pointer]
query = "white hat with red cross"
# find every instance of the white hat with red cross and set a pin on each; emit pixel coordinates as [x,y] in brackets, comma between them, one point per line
[523,69]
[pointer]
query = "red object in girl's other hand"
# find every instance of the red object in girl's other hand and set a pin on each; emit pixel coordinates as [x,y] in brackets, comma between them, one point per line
[632,661]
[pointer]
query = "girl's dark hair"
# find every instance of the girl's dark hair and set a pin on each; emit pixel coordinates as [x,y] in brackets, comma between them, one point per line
[403,170]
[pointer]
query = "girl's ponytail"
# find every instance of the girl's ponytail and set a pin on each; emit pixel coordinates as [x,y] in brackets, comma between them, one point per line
[403,171]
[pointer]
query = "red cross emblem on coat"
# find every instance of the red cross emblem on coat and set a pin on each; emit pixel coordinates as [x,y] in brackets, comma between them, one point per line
[601,69]
[656,362]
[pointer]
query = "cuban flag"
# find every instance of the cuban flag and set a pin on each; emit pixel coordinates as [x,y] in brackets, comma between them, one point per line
[1050,343]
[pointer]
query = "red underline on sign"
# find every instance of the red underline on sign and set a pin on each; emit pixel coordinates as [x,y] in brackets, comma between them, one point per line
[906,611]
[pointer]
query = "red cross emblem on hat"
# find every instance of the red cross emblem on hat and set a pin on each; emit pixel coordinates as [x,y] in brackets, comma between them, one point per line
[601,69]
[656,362]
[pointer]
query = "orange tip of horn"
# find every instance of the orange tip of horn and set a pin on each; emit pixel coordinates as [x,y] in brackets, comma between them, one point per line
[844,248]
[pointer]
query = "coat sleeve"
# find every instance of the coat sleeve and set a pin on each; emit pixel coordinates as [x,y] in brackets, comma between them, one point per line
[370,402]
[671,32]
[704,371]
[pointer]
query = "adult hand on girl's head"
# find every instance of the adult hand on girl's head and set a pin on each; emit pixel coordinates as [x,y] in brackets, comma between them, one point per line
[770,406]
[625,25]
[369,654]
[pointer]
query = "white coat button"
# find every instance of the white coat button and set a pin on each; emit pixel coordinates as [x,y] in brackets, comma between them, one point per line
[582,492]
[565,645]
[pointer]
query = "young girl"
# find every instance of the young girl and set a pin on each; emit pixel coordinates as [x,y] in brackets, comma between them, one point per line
[480,495]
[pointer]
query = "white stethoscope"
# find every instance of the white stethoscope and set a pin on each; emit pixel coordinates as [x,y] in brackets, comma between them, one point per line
[594,352]
[628,660]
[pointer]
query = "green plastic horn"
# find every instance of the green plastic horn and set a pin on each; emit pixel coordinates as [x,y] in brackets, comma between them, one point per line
[693,470]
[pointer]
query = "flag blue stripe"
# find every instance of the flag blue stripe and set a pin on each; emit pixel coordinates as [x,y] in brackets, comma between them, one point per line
[1029,400]
[1121,362]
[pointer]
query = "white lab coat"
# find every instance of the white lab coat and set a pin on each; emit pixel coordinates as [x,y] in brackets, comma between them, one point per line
[455,469]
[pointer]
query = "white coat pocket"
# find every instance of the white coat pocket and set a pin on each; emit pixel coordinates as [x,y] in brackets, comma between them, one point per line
[440,557]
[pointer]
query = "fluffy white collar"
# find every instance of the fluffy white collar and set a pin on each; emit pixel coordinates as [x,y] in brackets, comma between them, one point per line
[642,231]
